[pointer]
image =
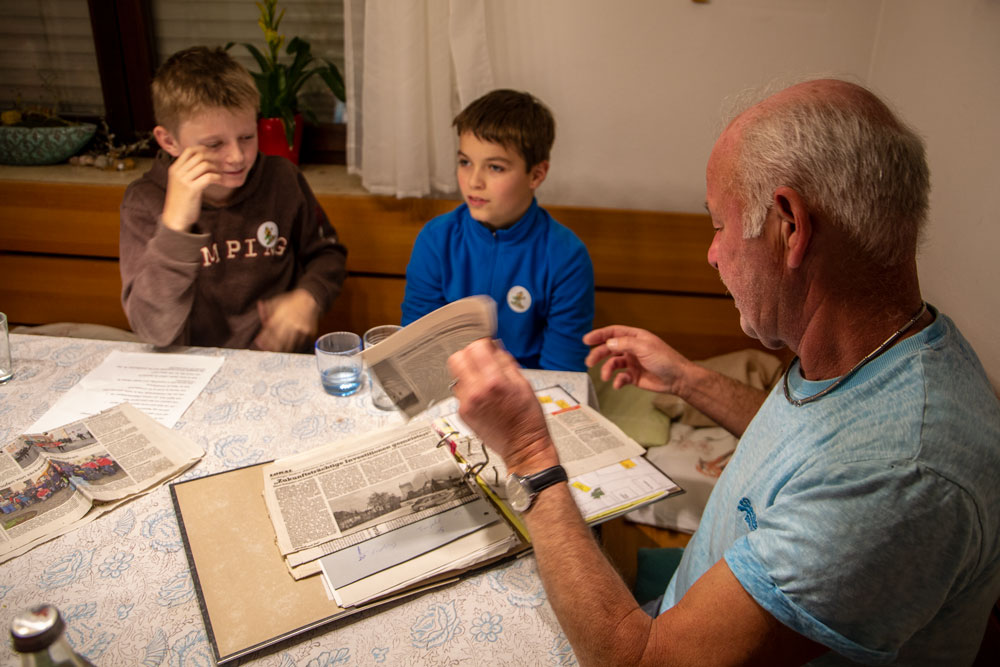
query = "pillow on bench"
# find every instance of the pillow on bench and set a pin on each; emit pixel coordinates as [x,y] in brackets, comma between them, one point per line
[632,410]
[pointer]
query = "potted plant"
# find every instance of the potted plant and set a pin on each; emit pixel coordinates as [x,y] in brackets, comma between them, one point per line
[280,125]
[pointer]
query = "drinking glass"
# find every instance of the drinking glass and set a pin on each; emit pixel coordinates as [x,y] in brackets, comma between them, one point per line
[380,399]
[338,358]
[6,366]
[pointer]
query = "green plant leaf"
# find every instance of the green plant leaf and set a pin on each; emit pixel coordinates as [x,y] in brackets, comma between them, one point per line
[288,118]
[258,56]
[331,75]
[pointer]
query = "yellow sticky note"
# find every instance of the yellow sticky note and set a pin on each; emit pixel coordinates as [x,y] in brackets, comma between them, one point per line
[581,486]
[628,463]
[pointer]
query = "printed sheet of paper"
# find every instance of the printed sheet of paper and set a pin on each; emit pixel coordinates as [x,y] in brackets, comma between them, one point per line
[162,385]
[388,549]
[619,487]
[493,540]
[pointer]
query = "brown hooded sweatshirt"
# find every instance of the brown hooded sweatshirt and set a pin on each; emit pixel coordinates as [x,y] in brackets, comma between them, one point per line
[202,287]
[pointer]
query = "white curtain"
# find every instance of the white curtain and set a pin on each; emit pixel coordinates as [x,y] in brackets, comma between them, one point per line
[411,65]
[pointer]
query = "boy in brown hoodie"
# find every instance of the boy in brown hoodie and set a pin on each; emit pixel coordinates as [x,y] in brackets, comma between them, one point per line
[222,245]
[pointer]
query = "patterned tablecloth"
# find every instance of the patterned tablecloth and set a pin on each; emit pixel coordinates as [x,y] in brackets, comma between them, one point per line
[122,582]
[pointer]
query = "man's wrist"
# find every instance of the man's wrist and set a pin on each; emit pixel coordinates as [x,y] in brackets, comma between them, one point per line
[537,456]
[690,380]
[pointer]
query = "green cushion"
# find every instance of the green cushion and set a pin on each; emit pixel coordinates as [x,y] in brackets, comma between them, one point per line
[654,568]
[632,410]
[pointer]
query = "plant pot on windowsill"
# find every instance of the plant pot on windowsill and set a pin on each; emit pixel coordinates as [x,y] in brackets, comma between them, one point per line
[273,140]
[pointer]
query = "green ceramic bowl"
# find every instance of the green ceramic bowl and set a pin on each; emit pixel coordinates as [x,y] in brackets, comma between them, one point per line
[43,145]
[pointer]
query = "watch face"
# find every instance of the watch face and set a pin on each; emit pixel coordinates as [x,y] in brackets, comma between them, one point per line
[517,494]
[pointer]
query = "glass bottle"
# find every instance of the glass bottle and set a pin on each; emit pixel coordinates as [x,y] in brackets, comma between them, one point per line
[38,635]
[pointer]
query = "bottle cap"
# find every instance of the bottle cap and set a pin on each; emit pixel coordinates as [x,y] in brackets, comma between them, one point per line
[35,629]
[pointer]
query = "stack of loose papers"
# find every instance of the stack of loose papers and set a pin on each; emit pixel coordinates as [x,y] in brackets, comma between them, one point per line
[379,513]
[390,510]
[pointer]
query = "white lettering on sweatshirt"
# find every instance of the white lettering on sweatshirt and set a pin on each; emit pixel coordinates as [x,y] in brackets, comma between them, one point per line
[245,249]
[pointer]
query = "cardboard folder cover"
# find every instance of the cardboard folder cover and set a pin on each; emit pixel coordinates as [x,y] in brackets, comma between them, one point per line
[238,572]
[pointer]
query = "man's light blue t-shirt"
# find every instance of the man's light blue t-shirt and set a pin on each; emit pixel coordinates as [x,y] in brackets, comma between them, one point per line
[868,519]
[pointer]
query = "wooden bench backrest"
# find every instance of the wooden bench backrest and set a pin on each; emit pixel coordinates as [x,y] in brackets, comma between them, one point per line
[59,257]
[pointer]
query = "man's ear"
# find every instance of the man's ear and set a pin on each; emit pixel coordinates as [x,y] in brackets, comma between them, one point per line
[167,140]
[796,225]
[538,173]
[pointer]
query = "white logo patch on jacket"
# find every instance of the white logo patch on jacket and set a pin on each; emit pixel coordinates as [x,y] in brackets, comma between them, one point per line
[519,299]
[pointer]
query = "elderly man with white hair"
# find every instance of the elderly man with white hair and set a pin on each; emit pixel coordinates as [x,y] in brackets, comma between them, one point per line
[856,521]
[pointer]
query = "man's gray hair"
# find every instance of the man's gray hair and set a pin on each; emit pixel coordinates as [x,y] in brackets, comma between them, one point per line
[851,159]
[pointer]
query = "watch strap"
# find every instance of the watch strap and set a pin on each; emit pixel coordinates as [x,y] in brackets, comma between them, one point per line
[546,478]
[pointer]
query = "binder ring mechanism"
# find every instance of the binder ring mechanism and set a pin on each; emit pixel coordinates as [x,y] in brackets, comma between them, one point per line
[472,470]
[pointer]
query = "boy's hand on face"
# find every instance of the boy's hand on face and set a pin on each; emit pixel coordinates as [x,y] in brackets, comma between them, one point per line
[187,179]
[288,320]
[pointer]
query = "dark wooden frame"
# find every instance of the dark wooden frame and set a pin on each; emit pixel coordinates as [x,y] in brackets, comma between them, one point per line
[126,58]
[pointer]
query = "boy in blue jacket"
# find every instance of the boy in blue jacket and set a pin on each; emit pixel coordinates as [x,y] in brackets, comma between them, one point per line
[501,243]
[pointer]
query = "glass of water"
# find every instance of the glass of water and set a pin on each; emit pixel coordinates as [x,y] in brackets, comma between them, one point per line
[338,358]
[6,366]
[373,336]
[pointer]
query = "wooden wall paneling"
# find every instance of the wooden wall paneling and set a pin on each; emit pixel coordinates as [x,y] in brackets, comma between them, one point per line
[650,266]
[366,301]
[648,250]
[60,218]
[379,231]
[40,290]
[698,327]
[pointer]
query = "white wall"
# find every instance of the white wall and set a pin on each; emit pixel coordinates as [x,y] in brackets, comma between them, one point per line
[637,87]
[939,62]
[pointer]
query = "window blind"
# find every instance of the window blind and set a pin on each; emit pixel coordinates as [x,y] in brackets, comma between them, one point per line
[48,56]
[180,24]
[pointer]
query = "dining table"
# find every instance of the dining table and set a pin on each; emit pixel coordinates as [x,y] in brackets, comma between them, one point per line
[123,583]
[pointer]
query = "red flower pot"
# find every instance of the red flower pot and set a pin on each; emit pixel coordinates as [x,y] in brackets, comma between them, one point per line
[271,138]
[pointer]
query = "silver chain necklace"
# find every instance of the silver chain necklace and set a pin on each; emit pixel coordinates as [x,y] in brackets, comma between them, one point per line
[799,402]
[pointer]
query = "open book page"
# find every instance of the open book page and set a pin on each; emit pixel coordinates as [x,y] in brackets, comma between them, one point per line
[52,482]
[411,365]
[341,495]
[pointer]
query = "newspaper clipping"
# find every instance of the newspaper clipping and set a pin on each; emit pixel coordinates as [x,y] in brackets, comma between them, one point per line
[411,365]
[56,481]
[332,498]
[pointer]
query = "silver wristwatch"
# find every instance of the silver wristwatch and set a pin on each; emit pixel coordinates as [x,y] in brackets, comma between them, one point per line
[522,489]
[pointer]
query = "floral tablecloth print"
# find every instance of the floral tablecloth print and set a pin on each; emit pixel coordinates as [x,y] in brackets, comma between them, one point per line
[122,582]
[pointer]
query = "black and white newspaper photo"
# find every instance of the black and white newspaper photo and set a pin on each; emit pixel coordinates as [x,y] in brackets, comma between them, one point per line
[334,497]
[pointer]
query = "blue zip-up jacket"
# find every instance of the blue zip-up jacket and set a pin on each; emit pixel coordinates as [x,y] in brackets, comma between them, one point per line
[537,270]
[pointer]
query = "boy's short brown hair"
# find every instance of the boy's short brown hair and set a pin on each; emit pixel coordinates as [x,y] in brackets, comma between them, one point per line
[513,119]
[200,78]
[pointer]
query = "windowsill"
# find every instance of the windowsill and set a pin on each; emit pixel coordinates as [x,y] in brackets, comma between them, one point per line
[326,179]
